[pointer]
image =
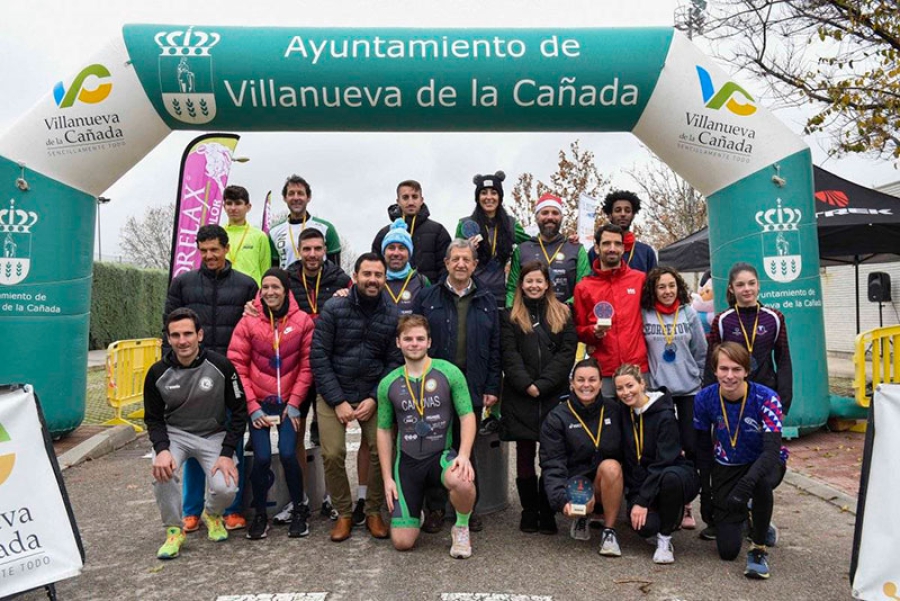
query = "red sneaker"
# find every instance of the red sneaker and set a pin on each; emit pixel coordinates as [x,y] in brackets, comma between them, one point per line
[191,523]
[235,521]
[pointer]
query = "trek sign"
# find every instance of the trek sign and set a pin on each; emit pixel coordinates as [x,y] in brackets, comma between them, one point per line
[93,127]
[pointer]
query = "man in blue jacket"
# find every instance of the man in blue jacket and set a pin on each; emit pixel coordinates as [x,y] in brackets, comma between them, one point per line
[465,330]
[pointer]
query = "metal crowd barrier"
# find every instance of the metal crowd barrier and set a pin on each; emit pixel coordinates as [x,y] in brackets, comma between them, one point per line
[127,362]
[885,363]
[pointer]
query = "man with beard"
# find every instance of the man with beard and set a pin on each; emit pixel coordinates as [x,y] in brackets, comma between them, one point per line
[429,237]
[403,281]
[613,291]
[297,195]
[621,207]
[566,260]
[353,349]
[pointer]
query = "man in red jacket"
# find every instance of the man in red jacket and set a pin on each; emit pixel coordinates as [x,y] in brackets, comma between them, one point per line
[608,308]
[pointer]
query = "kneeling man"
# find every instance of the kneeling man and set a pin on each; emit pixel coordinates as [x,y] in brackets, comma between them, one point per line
[422,399]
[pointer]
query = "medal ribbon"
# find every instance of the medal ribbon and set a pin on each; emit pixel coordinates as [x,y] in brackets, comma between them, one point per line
[594,438]
[494,240]
[665,328]
[233,253]
[291,234]
[630,254]
[734,438]
[638,444]
[544,250]
[314,299]
[402,290]
[276,346]
[747,340]
[420,405]
[412,225]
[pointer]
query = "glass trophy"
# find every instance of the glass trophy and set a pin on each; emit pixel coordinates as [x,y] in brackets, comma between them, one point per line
[273,406]
[471,229]
[579,491]
[604,312]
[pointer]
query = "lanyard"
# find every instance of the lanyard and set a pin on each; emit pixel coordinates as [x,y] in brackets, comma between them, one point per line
[314,299]
[734,438]
[290,229]
[544,250]
[420,405]
[750,342]
[630,254]
[594,439]
[232,255]
[412,226]
[493,240]
[638,440]
[402,290]
[276,346]
[665,329]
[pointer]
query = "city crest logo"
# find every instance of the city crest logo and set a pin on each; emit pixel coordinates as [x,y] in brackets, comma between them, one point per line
[8,460]
[725,96]
[781,242]
[79,89]
[15,237]
[186,74]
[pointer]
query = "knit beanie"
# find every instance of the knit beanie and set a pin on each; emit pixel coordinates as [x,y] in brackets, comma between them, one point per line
[285,280]
[489,181]
[548,200]
[398,234]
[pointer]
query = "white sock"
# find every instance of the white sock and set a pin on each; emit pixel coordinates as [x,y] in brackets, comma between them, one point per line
[361,492]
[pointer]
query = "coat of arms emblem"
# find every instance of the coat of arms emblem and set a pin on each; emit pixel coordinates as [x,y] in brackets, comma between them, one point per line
[781,242]
[186,74]
[15,237]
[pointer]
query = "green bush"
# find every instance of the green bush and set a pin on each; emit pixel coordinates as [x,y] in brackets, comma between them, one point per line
[126,302]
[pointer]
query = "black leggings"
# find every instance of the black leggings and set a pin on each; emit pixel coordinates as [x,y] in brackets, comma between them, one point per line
[730,527]
[684,406]
[526,451]
[667,508]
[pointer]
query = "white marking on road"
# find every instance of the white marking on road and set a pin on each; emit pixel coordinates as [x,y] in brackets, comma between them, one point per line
[275,597]
[492,597]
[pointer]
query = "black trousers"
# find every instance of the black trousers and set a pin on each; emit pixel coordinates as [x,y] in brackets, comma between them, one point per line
[676,489]
[729,523]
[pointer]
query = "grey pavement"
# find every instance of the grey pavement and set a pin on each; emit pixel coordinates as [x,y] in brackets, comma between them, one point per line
[120,525]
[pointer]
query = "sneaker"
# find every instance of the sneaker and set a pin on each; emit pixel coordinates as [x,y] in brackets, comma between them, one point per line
[757,564]
[434,521]
[476,524]
[258,527]
[772,535]
[235,521]
[191,523]
[359,513]
[284,516]
[688,522]
[174,539]
[708,533]
[328,510]
[665,552]
[299,528]
[579,530]
[215,528]
[609,544]
[461,546]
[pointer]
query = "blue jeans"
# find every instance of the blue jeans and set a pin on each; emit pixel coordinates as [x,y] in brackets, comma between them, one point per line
[262,461]
[194,487]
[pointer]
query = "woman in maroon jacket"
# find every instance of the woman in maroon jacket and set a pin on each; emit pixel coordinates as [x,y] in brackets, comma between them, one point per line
[270,352]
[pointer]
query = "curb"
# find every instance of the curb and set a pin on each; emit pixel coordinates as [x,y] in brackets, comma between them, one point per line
[97,446]
[819,489]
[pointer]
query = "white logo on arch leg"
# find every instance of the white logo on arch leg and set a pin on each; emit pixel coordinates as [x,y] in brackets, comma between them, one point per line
[782,261]
[15,238]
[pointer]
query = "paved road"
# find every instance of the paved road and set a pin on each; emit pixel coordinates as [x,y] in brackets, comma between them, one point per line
[121,529]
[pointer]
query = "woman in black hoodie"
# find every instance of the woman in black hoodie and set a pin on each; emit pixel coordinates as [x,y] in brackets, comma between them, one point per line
[659,481]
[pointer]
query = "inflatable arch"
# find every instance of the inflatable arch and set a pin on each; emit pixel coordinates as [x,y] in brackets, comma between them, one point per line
[654,82]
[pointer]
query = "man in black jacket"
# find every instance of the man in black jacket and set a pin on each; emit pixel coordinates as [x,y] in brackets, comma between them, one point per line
[216,293]
[194,406]
[430,238]
[353,349]
[465,330]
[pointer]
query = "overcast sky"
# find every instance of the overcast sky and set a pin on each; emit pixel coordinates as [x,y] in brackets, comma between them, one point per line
[353,175]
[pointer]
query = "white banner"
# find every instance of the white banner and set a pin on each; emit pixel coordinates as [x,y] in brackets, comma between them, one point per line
[878,570]
[38,544]
[587,217]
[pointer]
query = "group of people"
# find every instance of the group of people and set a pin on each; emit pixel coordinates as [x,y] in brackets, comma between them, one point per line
[435,341]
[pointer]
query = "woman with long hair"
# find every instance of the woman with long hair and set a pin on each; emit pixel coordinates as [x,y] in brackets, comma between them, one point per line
[676,352]
[270,352]
[659,481]
[538,343]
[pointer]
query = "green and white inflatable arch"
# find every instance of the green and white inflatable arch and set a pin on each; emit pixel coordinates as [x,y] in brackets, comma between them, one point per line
[93,127]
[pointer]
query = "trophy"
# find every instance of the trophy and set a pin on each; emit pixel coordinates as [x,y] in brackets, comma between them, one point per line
[604,312]
[579,491]
[273,405]
[471,229]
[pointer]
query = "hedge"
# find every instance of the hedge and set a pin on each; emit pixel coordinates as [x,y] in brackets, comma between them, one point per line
[126,302]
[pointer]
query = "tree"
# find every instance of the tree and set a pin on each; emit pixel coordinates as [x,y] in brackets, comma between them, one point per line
[147,242]
[841,56]
[670,207]
[576,174]
[348,255]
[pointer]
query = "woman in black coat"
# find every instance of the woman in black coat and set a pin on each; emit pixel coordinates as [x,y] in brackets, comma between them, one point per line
[538,342]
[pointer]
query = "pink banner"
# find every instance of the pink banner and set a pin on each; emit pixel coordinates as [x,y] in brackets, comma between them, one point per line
[204,175]
[267,213]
